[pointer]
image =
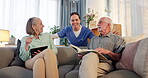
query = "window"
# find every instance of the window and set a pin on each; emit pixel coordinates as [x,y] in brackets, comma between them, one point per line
[15,13]
[132,15]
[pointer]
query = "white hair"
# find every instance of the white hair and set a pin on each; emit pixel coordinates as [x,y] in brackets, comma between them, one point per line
[34,20]
[109,21]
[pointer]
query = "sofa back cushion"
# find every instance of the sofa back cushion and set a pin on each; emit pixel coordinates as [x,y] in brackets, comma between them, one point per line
[6,55]
[66,55]
[135,57]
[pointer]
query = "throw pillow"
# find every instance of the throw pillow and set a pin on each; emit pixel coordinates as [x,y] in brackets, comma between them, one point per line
[135,58]
[128,54]
[17,61]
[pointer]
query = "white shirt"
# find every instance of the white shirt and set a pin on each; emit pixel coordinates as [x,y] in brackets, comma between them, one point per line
[77,32]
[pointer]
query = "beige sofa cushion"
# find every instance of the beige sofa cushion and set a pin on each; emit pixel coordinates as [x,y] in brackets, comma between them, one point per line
[135,57]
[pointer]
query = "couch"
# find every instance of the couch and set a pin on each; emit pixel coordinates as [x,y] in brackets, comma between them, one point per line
[66,57]
[68,63]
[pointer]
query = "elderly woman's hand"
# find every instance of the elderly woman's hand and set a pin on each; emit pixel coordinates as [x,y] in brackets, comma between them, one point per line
[35,53]
[28,41]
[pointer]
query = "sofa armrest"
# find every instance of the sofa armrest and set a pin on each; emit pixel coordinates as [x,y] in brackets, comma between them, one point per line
[6,55]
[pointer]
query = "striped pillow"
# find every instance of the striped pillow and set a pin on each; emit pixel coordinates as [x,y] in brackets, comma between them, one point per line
[135,57]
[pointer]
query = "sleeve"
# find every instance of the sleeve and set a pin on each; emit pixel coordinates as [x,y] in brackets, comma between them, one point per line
[120,45]
[24,55]
[90,45]
[90,34]
[52,46]
[62,33]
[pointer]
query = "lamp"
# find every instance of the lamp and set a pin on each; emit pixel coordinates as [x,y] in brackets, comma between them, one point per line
[4,37]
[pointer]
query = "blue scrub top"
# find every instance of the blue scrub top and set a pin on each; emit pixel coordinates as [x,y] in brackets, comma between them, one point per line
[81,40]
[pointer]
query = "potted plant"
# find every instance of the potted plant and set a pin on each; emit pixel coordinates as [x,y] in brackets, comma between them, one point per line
[54,29]
[12,40]
[90,16]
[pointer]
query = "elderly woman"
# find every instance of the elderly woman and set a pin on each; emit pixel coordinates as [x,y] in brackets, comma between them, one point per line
[43,64]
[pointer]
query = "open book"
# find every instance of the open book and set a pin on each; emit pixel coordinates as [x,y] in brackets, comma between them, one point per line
[85,51]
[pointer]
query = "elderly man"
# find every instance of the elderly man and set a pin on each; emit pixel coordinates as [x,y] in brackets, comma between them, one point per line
[106,43]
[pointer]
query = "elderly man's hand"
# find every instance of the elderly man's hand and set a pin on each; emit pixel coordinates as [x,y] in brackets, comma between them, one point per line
[116,32]
[102,51]
[80,56]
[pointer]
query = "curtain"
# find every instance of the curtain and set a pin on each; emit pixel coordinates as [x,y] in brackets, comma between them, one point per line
[65,13]
[131,14]
[69,6]
[82,10]
[145,17]
[15,13]
[137,17]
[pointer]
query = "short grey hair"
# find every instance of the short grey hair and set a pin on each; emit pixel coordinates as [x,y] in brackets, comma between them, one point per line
[109,21]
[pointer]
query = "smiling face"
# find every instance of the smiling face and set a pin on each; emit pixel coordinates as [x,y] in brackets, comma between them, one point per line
[104,26]
[38,26]
[75,21]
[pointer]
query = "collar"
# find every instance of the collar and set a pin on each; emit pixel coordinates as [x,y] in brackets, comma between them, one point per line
[108,35]
[34,36]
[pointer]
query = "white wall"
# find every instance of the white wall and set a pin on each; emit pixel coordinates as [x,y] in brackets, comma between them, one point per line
[97,6]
